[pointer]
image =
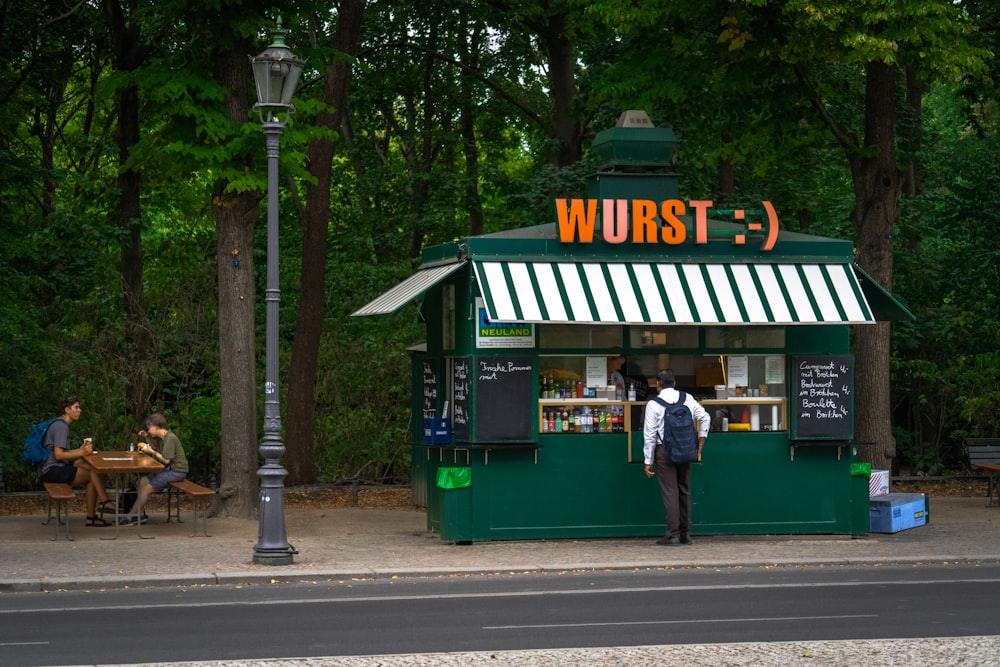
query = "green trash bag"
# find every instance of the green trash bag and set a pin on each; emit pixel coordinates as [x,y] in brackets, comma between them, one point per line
[454,478]
[859,469]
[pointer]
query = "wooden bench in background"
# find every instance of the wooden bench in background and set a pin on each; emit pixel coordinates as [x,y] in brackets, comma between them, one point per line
[61,495]
[199,495]
[984,453]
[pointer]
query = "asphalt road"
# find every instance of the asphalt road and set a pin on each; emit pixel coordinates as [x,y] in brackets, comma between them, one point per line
[479,613]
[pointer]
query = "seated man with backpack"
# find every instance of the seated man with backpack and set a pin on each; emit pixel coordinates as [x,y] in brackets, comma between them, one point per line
[671,443]
[66,465]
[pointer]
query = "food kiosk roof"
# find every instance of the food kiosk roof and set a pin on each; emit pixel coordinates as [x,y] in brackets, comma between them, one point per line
[664,293]
[527,275]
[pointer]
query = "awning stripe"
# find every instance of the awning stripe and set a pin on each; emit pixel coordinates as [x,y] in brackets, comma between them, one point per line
[748,293]
[774,294]
[626,293]
[649,293]
[551,292]
[408,290]
[524,287]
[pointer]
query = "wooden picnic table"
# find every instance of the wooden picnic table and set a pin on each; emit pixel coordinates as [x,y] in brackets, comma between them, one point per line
[123,467]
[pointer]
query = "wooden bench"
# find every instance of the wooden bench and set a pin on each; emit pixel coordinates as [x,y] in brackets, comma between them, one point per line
[984,454]
[198,495]
[61,495]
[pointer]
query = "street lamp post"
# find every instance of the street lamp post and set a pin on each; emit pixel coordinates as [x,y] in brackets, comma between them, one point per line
[276,72]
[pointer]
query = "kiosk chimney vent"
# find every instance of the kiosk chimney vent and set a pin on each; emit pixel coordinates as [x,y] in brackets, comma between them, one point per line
[638,152]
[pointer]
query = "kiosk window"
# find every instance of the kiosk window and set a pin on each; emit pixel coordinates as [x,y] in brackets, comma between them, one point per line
[448,318]
[581,336]
[674,337]
[729,338]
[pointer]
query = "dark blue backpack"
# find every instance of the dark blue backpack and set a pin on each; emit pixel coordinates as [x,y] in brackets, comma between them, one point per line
[35,453]
[680,435]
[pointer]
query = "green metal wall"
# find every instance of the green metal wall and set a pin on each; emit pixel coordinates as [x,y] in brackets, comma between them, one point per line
[583,486]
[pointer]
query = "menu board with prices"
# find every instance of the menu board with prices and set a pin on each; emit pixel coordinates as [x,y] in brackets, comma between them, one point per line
[822,397]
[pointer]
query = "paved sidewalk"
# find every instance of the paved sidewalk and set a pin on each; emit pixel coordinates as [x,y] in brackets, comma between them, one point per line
[366,543]
[337,544]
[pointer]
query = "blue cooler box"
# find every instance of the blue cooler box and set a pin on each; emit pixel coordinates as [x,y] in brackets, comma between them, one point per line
[437,431]
[893,512]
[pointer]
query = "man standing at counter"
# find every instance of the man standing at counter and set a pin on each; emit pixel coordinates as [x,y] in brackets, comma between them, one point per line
[674,478]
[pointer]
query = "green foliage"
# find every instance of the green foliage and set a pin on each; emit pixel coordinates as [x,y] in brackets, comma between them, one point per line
[719,74]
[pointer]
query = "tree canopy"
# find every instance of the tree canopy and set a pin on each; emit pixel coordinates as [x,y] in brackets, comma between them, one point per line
[132,256]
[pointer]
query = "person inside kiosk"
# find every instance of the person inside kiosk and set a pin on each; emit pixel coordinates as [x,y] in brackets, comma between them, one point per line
[627,378]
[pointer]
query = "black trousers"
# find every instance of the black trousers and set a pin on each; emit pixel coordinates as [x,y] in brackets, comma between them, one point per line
[675,489]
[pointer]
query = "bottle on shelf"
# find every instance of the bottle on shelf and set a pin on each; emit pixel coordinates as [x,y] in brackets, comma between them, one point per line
[631,392]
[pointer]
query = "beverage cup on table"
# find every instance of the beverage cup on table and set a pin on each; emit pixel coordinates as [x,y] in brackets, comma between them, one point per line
[89,442]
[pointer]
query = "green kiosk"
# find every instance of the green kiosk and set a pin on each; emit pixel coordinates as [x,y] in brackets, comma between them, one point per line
[542,341]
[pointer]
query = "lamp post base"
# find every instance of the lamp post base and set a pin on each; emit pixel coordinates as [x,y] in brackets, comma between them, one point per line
[272,546]
[277,558]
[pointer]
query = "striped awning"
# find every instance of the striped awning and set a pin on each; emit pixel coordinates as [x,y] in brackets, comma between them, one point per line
[408,290]
[653,293]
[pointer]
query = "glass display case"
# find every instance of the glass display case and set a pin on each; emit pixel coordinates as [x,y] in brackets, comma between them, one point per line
[582,416]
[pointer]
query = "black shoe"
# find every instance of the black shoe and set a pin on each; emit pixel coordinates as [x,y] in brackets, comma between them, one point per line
[669,541]
[686,539]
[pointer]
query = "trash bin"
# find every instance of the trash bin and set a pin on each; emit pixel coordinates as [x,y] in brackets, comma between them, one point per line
[456,509]
[860,474]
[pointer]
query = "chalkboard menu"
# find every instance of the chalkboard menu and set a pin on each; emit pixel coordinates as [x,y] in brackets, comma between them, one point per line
[822,397]
[430,389]
[504,398]
[460,397]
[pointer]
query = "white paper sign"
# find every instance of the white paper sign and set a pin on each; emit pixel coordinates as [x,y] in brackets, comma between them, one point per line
[597,371]
[774,369]
[738,371]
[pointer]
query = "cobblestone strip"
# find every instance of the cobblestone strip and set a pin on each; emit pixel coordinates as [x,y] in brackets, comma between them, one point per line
[934,652]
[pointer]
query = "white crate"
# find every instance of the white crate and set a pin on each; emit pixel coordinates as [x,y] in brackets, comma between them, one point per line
[878,485]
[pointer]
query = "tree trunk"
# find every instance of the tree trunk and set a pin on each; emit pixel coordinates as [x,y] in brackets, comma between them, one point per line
[300,459]
[878,183]
[727,170]
[422,174]
[470,44]
[562,88]
[138,356]
[235,218]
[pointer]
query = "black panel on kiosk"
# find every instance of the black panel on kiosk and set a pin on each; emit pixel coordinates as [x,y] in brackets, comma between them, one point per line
[504,398]
[822,398]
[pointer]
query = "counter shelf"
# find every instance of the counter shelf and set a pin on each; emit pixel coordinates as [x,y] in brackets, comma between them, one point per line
[776,418]
[485,448]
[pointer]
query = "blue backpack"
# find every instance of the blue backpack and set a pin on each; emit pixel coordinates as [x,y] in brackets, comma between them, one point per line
[680,436]
[35,453]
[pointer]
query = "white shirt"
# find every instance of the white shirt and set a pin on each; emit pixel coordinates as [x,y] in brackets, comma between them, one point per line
[652,427]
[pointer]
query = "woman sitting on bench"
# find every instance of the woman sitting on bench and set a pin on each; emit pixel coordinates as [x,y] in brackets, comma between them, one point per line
[67,466]
[170,454]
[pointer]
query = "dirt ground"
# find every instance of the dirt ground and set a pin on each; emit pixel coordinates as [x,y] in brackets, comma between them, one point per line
[399,498]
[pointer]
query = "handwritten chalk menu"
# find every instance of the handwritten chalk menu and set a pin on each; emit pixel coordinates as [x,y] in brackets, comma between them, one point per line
[822,396]
[460,386]
[429,389]
[504,398]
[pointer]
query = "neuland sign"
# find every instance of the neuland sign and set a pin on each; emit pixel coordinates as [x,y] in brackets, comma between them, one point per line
[647,221]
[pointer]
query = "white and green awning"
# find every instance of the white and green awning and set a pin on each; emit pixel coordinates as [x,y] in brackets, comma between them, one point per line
[662,293]
[408,290]
[654,293]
